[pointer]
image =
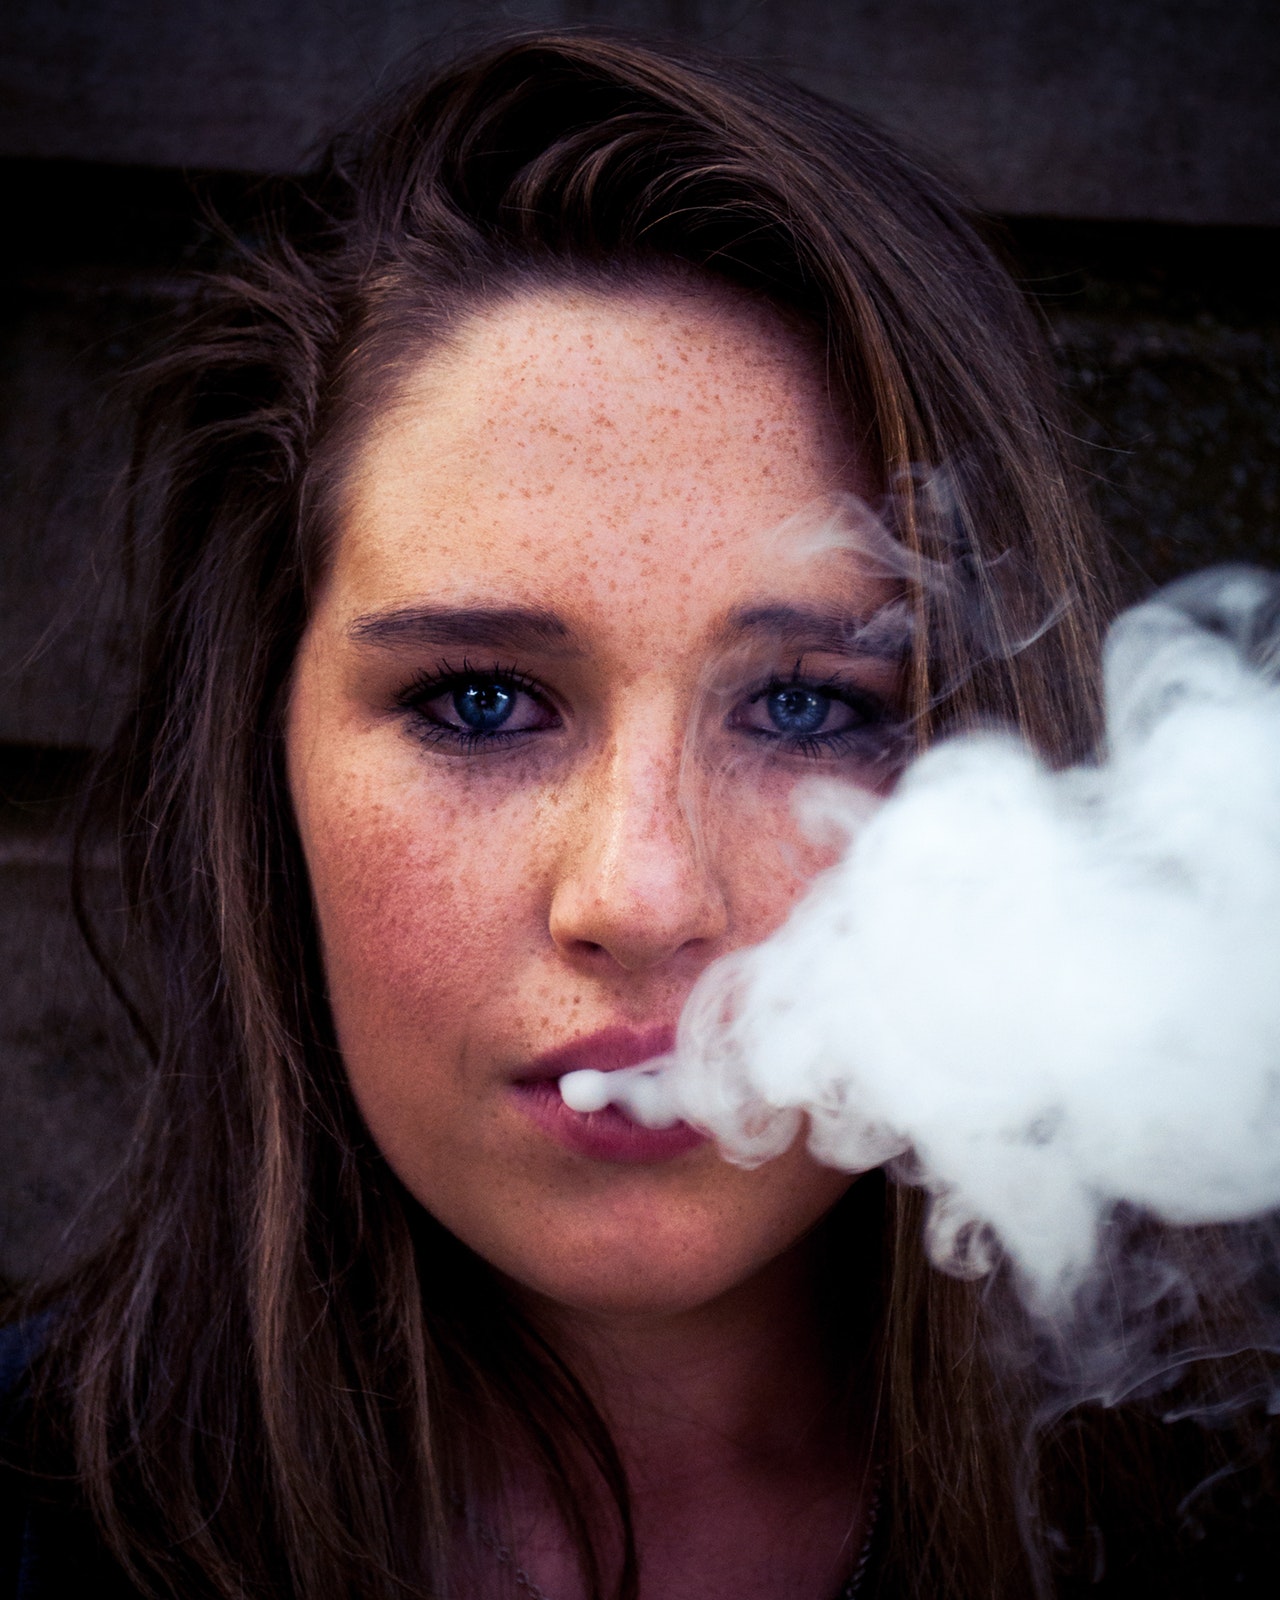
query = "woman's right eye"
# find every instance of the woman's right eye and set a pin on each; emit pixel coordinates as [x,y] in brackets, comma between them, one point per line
[477,708]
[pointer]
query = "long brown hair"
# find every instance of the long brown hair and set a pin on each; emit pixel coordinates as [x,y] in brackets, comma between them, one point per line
[281,1378]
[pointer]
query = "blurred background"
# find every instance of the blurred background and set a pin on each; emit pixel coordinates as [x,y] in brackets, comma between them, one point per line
[1130,149]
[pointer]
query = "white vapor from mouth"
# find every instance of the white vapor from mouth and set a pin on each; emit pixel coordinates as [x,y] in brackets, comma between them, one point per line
[1050,998]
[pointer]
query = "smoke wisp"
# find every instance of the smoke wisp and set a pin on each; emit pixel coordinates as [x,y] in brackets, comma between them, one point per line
[1052,998]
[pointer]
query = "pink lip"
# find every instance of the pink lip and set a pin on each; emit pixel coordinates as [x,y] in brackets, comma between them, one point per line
[607,1135]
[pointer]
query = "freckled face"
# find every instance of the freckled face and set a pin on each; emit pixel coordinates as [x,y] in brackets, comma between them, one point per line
[545,727]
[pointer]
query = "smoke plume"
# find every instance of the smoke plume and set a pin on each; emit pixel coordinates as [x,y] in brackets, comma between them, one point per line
[1052,998]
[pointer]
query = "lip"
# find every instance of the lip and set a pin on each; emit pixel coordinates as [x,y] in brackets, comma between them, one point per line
[608,1135]
[607,1051]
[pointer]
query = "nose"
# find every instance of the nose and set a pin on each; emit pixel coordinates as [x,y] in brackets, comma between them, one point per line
[636,882]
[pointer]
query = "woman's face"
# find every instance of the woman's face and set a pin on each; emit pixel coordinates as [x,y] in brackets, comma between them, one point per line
[546,724]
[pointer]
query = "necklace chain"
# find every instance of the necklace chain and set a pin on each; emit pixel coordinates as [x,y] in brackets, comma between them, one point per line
[503,1556]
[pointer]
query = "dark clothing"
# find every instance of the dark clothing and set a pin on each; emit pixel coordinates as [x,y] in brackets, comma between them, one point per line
[1225,1544]
[49,1547]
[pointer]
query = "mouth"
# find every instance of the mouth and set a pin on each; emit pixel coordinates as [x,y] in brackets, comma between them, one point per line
[609,1134]
[606,1051]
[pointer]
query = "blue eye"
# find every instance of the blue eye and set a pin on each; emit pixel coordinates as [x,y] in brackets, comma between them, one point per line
[831,719]
[796,710]
[483,706]
[476,709]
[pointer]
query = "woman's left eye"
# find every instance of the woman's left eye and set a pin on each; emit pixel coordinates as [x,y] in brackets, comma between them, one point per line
[469,708]
[801,711]
[812,716]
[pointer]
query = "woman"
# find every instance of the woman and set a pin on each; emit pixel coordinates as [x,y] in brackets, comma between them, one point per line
[478,682]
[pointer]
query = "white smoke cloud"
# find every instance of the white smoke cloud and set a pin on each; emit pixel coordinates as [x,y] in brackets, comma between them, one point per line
[1051,998]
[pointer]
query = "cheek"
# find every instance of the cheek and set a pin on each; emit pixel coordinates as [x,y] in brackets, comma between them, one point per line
[424,908]
[751,831]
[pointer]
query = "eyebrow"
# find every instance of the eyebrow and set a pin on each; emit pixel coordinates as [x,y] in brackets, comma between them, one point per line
[453,627]
[885,634]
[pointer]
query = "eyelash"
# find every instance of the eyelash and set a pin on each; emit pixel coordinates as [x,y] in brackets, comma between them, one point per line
[876,729]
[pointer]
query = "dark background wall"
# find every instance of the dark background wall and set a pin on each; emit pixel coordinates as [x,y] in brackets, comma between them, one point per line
[1129,146]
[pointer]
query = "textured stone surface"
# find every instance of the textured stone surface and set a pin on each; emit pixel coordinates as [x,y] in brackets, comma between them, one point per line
[1168,341]
[67,1073]
[1185,424]
[1146,108]
[68,1066]
[91,272]
[61,450]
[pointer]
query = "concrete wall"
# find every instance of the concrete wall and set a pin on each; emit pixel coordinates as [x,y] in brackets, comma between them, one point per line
[1131,148]
[1161,109]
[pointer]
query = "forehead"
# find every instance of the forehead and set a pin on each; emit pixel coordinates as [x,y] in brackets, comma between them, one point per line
[573,443]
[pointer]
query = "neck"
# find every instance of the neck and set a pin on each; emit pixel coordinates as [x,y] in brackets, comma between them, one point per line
[748,1375]
[747,1475]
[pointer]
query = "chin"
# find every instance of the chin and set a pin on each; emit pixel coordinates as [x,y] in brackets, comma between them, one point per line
[649,1272]
[634,1241]
[635,1289]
